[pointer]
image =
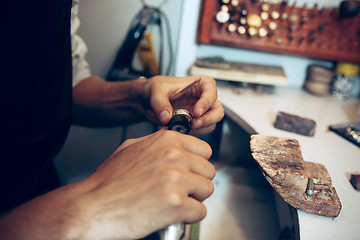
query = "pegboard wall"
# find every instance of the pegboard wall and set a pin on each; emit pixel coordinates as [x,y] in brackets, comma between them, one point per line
[276,26]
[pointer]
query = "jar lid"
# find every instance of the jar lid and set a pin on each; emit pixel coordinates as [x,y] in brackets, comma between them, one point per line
[348,69]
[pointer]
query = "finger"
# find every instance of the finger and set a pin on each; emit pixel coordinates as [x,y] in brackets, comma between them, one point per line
[211,117]
[190,211]
[162,107]
[182,182]
[208,96]
[195,146]
[164,88]
[202,131]
[194,211]
[186,200]
[201,166]
[200,187]
[187,143]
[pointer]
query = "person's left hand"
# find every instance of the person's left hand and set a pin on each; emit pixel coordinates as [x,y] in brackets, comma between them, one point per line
[162,92]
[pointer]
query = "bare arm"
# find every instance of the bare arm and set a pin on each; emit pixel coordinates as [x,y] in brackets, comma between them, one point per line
[47,217]
[147,184]
[98,102]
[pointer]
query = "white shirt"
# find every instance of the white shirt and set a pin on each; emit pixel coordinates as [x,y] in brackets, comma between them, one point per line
[81,68]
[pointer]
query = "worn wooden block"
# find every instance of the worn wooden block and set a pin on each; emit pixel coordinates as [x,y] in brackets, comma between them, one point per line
[355,181]
[281,162]
[293,123]
[318,173]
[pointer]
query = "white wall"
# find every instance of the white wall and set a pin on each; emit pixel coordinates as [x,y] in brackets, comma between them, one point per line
[104,25]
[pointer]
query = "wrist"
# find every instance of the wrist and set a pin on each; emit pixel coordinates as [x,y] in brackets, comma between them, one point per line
[139,89]
[80,208]
[55,215]
[140,93]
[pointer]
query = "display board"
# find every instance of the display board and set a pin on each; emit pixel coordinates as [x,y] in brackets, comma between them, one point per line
[279,27]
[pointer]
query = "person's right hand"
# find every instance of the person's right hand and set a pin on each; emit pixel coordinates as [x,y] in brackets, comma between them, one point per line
[147,184]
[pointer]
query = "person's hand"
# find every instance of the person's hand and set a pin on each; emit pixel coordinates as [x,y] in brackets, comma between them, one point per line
[163,92]
[147,184]
[98,102]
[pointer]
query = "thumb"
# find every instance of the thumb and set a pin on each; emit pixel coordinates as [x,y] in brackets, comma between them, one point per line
[162,108]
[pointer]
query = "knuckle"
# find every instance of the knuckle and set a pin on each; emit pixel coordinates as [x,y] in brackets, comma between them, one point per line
[174,199]
[207,191]
[210,82]
[168,136]
[173,177]
[173,154]
[208,78]
[155,100]
[207,101]
[128,142]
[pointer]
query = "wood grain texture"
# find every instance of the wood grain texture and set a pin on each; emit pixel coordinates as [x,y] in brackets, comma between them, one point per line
[281,162]
[325,35]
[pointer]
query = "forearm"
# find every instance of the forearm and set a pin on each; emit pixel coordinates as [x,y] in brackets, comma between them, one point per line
[52,216]
[97,102]
[149,182]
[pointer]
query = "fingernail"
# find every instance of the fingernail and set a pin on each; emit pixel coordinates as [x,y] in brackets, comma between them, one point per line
[201,111]
[198,123]
[164,116]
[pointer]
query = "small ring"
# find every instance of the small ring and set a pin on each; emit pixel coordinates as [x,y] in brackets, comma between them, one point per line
[182,111]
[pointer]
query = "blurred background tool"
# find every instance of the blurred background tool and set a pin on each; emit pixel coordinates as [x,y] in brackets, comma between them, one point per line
[147,56]
[349,8]
[349,131]
[122,67]
[318,80]
[344,78]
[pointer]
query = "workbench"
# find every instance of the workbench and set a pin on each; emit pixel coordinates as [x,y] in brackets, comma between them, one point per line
[255,112]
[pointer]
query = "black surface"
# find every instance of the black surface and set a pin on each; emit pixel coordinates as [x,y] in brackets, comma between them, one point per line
[341,130]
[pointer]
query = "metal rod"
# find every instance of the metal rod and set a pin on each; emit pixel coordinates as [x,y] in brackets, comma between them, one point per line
[182,125]
[310,187]
[173,232]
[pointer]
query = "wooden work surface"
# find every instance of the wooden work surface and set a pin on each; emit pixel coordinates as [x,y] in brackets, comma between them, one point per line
[256,112]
